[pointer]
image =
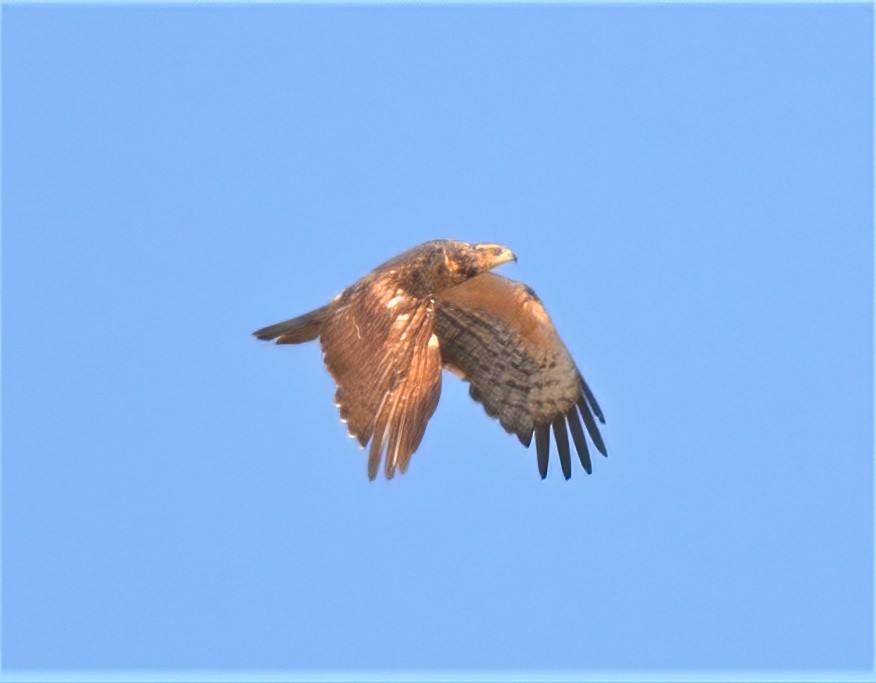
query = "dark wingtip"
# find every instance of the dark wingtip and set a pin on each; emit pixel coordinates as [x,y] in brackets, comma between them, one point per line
[579,439]
[591,399]
[542,447]
[592,429]
[562,440]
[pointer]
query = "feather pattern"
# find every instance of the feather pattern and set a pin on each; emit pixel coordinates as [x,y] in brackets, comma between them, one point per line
[495,333]
[377,348]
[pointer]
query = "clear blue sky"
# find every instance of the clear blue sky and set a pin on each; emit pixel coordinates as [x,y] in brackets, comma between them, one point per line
[689,190]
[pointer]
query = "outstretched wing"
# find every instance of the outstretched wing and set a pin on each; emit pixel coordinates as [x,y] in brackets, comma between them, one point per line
[495,333]
[378,344]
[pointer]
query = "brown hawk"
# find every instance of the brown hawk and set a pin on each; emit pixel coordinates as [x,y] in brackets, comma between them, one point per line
[386,338]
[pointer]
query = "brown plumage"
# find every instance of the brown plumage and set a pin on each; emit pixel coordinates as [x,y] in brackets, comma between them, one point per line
[386,338]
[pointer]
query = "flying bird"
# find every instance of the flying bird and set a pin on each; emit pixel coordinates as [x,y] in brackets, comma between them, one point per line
[386,338]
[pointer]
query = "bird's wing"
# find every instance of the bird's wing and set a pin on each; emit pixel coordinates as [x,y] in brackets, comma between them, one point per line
[379,347]
[495,333]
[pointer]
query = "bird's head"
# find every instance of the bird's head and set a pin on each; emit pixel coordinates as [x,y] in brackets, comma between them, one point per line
[463,261]
[488,256]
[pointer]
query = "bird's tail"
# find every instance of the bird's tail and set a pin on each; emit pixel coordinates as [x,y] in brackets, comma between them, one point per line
[304,328]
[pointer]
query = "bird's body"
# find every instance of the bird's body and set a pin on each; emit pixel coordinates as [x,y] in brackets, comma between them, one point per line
[386,338]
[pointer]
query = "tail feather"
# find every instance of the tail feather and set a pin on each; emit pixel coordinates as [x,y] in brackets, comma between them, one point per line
[304,328]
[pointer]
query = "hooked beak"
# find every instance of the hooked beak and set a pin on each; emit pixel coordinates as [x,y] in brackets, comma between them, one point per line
[495,254]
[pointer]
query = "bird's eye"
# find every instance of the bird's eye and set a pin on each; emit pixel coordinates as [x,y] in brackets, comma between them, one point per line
[497,250]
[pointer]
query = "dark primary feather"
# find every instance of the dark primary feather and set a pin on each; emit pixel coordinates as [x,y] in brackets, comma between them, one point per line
[562,439]
[591,399]
[592,429]
[578,438]
[542,448]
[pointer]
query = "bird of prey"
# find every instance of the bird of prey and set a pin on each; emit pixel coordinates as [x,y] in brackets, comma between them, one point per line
[386,338]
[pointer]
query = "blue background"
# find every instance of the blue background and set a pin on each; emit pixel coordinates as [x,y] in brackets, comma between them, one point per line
[689,190]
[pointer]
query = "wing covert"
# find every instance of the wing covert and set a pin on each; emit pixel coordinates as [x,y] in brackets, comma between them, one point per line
[495,334]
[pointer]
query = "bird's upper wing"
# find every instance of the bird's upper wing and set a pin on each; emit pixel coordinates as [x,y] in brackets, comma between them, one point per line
[495,333]
[379,347]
